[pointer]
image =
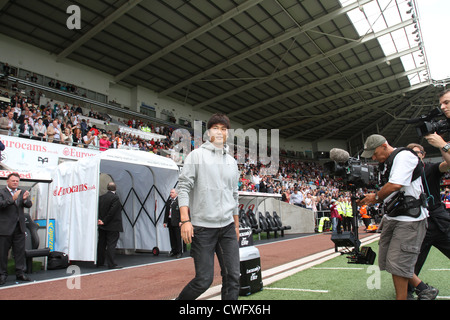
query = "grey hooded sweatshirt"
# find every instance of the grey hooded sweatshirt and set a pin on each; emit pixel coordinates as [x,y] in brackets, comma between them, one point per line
[208,185]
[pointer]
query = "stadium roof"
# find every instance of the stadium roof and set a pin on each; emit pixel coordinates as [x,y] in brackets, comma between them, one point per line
[315,69]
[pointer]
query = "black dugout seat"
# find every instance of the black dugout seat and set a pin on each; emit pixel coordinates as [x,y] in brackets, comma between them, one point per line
[32,243]
[266,226]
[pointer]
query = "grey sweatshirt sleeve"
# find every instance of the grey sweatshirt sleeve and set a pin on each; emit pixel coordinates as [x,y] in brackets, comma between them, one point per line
[186,181]
[236,194]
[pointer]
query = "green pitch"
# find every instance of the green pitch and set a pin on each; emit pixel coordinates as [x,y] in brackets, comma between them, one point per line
[337,279]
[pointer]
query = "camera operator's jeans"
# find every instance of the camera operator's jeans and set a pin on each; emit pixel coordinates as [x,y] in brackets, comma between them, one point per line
[206,242]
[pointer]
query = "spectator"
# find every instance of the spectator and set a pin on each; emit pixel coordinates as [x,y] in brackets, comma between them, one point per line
[84,127]
[94,131]
[104,143]
[40,129]
[297,198]
[54,132]
[77,138]
[26,130]
[67,137]
[89,140]
[308,201]
[8,125]
[285,195]
[256,179]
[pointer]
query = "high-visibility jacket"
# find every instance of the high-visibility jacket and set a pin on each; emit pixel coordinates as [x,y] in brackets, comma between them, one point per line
[341,208]
[363,212]
[349,210]
[321,223]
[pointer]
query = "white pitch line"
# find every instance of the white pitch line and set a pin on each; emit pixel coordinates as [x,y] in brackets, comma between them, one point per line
[439,269]
[337,268]
[296,289]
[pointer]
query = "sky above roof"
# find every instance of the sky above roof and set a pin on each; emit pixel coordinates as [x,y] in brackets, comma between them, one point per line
[379,15]
[434,23]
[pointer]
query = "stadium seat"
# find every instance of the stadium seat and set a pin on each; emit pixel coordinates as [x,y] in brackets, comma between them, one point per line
[278,222]
[272,224]
[32,243]
[242,221]
[252,218]
[266,227]
[247,222]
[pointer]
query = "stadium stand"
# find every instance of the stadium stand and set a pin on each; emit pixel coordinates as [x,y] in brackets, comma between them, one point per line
[90,121]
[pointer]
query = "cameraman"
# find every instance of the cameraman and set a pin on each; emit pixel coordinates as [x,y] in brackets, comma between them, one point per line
[439,220]
[444,101]
[400,230]
[438,232]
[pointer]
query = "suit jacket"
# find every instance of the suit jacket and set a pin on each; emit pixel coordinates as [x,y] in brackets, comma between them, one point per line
[4,122]
[110,212]
[11,212]
[175,218]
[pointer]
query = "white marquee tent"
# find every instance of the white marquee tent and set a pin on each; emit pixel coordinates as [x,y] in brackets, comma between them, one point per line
[143,184]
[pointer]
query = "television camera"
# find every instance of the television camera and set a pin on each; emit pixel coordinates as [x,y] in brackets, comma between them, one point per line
[355,174]
[351,170]
[428,124]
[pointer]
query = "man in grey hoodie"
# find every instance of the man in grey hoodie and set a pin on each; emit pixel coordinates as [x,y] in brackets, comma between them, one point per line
[208,200]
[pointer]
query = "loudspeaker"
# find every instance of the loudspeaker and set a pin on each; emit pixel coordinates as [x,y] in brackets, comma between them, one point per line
[345,239]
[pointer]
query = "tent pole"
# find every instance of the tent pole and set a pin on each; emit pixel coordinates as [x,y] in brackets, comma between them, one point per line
[46,226]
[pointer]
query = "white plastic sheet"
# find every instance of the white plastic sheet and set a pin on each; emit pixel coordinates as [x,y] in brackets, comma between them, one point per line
[143,184]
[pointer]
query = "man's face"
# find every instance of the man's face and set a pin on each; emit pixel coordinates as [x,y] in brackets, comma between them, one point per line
[173,194]
[218,134]
[380,153]
[13,182]
[444,101]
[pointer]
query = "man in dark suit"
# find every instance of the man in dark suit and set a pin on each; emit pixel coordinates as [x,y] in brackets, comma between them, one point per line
[109,226]
[172,221]
[12,226]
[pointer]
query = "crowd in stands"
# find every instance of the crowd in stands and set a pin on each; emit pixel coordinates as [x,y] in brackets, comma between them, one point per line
[58,123]
[298,182]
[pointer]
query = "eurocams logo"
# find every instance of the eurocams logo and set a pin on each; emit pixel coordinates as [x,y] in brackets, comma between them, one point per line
[62,191]
[73,152]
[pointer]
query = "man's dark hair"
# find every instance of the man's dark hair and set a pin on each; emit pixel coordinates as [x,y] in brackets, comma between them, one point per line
[111,186]
[14,174]
[415,145]
[444,92]
[218,118]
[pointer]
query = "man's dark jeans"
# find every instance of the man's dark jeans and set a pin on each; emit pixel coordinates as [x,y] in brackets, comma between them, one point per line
[206,242]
